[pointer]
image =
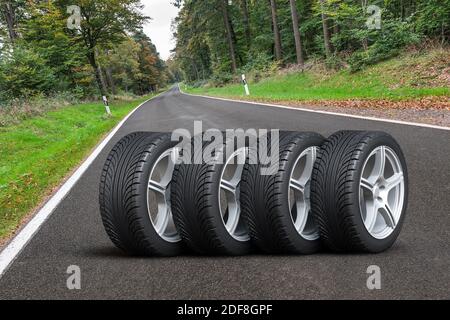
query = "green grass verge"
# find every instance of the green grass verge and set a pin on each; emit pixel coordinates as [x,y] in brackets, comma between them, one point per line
[39,152]
[406,77]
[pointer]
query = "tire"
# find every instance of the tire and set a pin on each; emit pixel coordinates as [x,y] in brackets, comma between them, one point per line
[348,181]
[270,202]
[198,207]
[128,200]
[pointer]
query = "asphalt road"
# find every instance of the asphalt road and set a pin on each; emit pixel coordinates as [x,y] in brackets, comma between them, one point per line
[418,266]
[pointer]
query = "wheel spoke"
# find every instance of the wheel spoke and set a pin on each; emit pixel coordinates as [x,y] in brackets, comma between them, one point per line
[366,184]
[297,185]
[371,217]
[171,160]
[388,216]
[169,171]
[380,162]
[162,222]
[157,187]
[309,166]
[302,218]
[228,186]
[394,181]
[232,222]
[236,178]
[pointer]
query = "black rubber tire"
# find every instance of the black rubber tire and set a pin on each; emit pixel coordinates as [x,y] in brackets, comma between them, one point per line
[265,201]
[123,195]
[335,191]
[196,208]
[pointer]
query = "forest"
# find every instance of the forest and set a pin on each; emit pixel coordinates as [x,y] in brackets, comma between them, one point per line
[54,49]
[217,40]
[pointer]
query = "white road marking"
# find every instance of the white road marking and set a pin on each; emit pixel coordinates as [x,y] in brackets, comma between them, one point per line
[324,112]
[15,247]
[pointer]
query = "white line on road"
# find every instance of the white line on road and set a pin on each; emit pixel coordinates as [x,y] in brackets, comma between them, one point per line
[324,112]
[12,250]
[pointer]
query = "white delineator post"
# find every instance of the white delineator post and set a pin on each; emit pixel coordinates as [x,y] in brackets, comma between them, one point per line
[244,81]
[105,101]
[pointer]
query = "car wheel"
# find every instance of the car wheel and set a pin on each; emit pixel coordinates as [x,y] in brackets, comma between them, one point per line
[359,191]
[206,204]
[276,207]
[135,195]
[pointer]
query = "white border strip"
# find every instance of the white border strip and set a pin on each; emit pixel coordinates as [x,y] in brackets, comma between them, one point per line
[325,112]
[15,247]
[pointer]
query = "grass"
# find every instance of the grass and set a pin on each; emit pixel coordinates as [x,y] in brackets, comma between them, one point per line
[38,153]
[409,76]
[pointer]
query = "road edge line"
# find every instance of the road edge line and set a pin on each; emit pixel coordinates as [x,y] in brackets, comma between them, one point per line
[12,250]
[416,124]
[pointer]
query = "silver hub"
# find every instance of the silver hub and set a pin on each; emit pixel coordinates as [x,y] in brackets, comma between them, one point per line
[158,196]
[381,192]
[229,204]
[299,195]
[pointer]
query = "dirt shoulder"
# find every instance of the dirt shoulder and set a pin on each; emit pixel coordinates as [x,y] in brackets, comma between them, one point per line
[429,110]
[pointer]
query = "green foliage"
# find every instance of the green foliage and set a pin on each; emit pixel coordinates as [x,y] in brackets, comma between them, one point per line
[44,33]
[409,76]
[24,73]
[218,79]
[395,34]
[108,53]
[433,18]
[202,50]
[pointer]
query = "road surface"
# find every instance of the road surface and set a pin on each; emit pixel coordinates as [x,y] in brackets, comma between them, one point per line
[416,267]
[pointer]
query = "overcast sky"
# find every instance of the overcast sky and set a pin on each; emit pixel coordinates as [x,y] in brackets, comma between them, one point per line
[158,29]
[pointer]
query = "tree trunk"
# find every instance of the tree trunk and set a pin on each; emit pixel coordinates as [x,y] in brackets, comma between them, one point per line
[326,32]
[10,18]
[226,21]
[194,64]
[98,75]
[276,31]
[248,32]
[235,41]
[336,28]
[365,42]
[298,40]
[100,72]
[110,80]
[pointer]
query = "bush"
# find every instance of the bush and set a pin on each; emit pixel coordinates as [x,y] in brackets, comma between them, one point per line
[395,35]
[16,110]
[23,73]
[260,66]
[221,79]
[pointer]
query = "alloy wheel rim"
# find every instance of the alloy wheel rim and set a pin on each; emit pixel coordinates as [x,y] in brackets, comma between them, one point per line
[229,192]
[158,196]
[299,195]
[381,192]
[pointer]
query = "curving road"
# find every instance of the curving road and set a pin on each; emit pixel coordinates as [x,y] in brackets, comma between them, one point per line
[416,267]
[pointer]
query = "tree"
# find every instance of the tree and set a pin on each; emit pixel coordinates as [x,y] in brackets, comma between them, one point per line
[123,59]
[254,36]
[24,73]
[326,31]
[229,33]
[9,11]
[151,68]
[248,32]
[104,23]
[43,32]
[276,31]
[298,40]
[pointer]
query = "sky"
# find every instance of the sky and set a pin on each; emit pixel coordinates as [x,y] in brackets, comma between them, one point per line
[162,13]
